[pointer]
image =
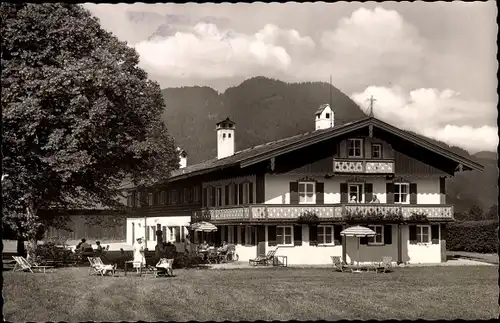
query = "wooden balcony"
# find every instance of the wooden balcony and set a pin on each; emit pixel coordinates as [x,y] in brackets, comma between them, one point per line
[264,212]
[363,166]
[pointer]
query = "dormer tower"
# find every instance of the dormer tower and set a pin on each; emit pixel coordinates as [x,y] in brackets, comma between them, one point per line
[324,118]
[225,138]
[182,157]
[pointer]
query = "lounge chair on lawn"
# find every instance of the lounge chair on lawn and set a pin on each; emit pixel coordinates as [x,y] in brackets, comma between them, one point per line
[164,266]
[340,265]
[385,265]
[99,268]
[22,265]
[263,260]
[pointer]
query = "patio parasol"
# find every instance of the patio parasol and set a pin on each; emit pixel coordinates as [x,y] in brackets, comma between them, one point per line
[358,231]
[203,226]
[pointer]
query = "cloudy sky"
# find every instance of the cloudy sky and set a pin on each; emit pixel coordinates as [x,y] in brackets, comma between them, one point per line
[430,66]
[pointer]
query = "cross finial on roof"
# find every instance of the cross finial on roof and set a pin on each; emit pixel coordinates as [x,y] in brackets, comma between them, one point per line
[370,108]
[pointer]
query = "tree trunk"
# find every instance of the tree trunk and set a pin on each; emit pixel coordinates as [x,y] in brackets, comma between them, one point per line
[21,250]
[31,230]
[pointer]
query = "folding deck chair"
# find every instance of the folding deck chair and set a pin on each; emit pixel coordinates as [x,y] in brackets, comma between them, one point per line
[340,265]
[385,265]
[263,260]
[164,266]
[22,265]
[99,268]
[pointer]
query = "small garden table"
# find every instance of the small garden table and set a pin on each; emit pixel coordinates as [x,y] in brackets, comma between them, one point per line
[280,261]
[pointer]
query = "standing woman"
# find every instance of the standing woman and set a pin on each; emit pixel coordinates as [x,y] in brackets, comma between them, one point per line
[139,259]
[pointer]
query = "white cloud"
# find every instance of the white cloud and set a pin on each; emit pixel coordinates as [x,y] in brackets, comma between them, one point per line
[442,115]
[207,52]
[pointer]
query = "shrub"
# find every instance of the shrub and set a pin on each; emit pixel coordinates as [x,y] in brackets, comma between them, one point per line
[473,236]
[55,250]
[183,260]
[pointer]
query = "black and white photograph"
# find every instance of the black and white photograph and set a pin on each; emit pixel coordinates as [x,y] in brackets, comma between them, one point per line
[249,161]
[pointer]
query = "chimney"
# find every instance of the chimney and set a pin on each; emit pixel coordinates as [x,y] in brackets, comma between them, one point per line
[324,117]
[183,157]
[225,138]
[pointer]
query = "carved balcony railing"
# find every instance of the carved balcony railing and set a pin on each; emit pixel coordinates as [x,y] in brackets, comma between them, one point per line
[260,212]
[363,166]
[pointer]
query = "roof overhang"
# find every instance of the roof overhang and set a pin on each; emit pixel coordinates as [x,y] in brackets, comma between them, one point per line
[463,163]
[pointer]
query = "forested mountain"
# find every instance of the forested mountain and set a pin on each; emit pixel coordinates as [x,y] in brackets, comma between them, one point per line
[265,109]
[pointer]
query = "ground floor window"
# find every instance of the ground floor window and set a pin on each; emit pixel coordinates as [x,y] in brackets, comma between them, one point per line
[325,234]
[284,235]
[379,238]
[249,235]
[423,234]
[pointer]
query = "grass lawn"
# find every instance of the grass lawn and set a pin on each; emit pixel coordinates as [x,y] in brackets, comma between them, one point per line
[69,294]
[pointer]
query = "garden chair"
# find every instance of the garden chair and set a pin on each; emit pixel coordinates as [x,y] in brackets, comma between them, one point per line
[99,268]
[339,264]
[164,266]
[385,265]
[231,254]
[264,260]
[22,265]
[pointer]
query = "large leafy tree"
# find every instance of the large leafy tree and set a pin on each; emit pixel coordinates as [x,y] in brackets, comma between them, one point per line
[79,117]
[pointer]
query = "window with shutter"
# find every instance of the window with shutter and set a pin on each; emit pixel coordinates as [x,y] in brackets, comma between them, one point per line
[227,200]
[344,197]
[250,193]
[294,193]
[320,193]
[297,235]
[325,235]
[313,235]
[284,235]
[271,235]
[337,229]
[401,193]
[423,234]
[378,239]
[413,193]
[389,190]
[243,229]
[307,193]
[388,234]
[369,193]
[435,234]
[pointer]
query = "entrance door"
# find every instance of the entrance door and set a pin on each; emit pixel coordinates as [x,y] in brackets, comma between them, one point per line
[261,240]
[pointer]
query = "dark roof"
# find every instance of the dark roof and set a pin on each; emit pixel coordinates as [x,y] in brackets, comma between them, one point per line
[225,122]
[321,108]
[249,153]
[262,152]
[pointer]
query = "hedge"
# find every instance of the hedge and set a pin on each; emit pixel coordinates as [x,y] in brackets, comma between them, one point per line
[473,236]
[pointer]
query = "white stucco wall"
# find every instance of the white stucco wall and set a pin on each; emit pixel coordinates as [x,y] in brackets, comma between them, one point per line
[428,190]
[278,188]
[321,255]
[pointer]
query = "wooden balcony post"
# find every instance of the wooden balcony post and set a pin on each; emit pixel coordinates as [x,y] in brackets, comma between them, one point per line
[265,211]
[250,213]
[400,249]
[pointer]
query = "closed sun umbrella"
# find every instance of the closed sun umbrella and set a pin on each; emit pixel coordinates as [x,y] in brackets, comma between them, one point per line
[358,231]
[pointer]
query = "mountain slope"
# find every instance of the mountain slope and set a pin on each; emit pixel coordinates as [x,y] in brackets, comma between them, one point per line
[265,110]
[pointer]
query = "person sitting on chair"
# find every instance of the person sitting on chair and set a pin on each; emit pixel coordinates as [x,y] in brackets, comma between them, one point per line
[99,248]
[353,199]
[375,199]
[204,245]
